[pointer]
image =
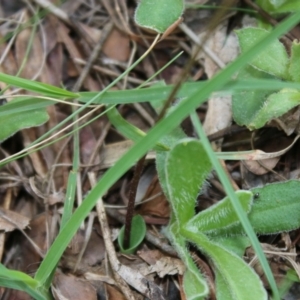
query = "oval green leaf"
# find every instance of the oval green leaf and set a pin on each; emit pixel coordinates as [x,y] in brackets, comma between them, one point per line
[158,15]
[137,234]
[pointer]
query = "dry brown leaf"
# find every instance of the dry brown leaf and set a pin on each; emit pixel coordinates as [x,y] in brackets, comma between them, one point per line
[35,58]
[150,256]
[219,115]
[168,266]
[117,46]
[8,65]
[111,153]
[88,143]
[264,166]
[113,293]
[10,220]
[159,206]
[93,254]
[161,264]
[289,122]
[74,52]
[71,287]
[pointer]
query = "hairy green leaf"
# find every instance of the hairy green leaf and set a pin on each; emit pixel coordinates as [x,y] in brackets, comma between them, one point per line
[294,66]
[247,103]
[273,60]
[276,207]
[220,216]
[194,284]
[275,106]
[186,170]
[242,282]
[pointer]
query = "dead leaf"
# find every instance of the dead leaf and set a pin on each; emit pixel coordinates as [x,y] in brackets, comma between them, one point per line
[161,264]
[71,287]
[88,143]
[10,220]
[117,46]
[168,266]
[264,166]
[113,293]
[226,48]
[33,62]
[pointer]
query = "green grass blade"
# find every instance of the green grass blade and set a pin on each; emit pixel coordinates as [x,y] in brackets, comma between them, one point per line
[37,87]
[140,148]
[150,94]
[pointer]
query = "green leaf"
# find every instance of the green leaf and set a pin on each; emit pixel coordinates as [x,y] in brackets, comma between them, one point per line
[194,284]
[12,123]
[222,288]
[221,215]
[242,282]
[158,15]
[235,244]
[273,60]
[187,168]
[168,140]
[294,66]
[247,103]
[257,107]
[287,281]
[288,7]
[279,6]
[275,106]
[277,207]
[22,282]
[137,235]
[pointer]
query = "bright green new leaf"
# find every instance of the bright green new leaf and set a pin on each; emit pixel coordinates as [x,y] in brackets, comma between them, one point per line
[137,234]
[220,216]
[187,168]
[294,66]
[273,60]
[242,282]
[158,15]
[12,123]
